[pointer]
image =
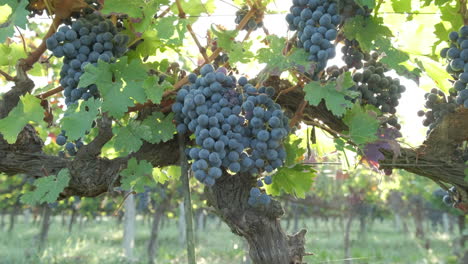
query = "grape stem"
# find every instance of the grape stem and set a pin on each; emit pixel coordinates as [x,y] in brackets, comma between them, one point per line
[50,93]
[7,76]
[36,54]
[22,38]
[298,115]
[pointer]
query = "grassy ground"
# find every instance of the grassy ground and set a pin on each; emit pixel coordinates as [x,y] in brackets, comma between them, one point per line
[100,242]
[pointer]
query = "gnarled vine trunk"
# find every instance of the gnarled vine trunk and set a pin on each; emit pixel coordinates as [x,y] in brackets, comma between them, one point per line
[268,243]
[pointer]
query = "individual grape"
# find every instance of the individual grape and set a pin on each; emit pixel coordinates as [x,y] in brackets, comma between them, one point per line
[447,200]
[268,180]
[61,140]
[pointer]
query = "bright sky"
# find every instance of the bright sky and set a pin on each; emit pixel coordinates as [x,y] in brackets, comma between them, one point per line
[411,101]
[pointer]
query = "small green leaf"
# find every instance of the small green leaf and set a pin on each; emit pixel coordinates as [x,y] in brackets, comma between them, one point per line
[29,109]
[47,188]
[165,174]
[79,118]
[137,175]
[362,123]
[131,8]
[154,91]
[334,94]
[296,180]
[366,30]
[126,138]
[162,127]
[294,152]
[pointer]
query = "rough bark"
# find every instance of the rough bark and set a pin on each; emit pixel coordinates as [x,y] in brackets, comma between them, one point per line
[268,244]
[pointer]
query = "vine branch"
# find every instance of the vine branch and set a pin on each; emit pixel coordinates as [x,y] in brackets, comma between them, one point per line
[36,54]
[7,76]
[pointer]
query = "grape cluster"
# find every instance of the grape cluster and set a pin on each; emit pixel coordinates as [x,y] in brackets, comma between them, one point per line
[439,105]
[316,22]
[252,23]
[377,89]
[352,54]
[237,128]
[87,40]
[457,56]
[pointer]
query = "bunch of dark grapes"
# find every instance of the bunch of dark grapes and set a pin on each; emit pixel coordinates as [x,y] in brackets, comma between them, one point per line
[87,40]
[438,105]
[353,55]
[252,23]
[457,56]
[316,22]
[377,89]
[237,127]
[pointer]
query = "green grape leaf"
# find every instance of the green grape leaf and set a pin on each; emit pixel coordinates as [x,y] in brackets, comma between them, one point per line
[154,91]
[366,30]
[134,75]
[296,180]
[12,13]
[137,175]
[294,152]
[126,138]
[165,174]
[362,123]
[47,188]
[401,6]
[79,118]
[240,52]
[277,62]
[29,109]
[161,126]
[11,53]
[131,8]
[117,82]
[148,47]
[225,38]
[433,69]
[333,92]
